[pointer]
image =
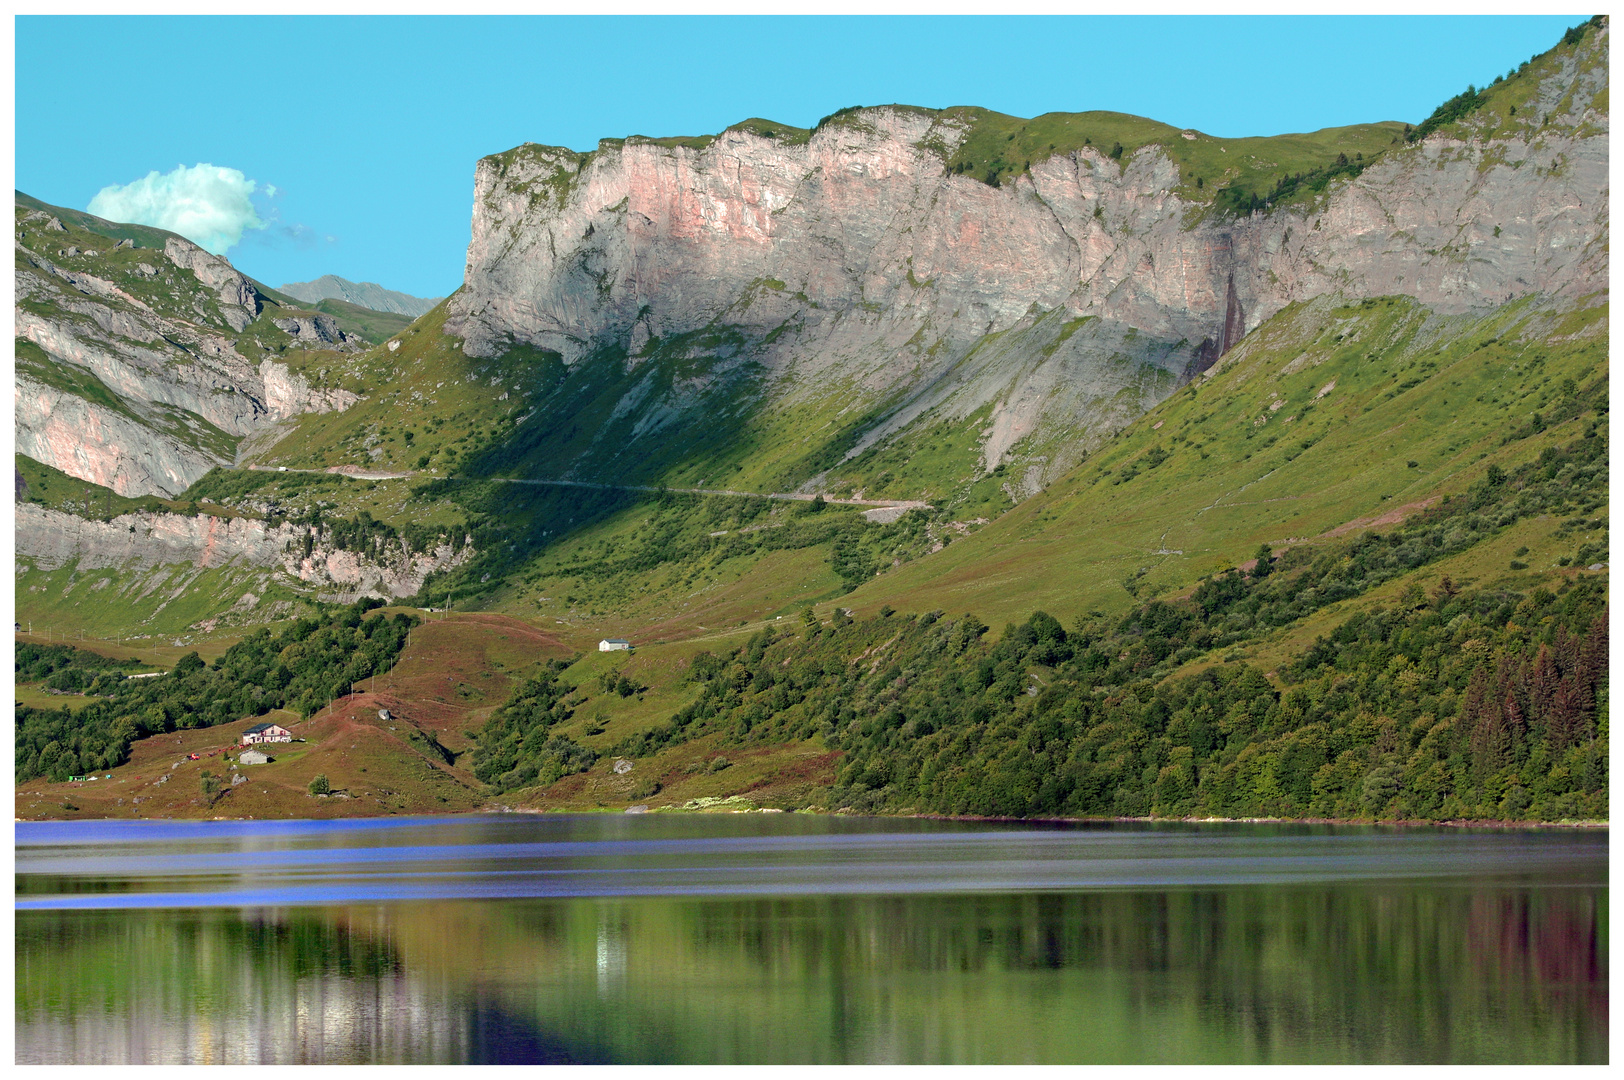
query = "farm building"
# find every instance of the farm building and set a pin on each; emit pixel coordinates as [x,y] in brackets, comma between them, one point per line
[253,757]
[264,733]
[614,644]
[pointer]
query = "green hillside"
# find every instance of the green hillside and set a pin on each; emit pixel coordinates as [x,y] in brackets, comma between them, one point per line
[371,326]
[1356,569]
[1433,512]
[1328,415]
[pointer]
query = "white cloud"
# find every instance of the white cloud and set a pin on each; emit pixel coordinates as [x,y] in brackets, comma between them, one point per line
[207,204]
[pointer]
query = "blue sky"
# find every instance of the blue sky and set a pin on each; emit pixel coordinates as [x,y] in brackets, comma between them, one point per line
[368,128]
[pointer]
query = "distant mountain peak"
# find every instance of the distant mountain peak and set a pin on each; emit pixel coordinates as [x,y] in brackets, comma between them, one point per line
[368,294]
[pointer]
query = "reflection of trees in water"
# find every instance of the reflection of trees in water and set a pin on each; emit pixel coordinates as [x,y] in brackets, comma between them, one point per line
[1346,973]
[1251,974]
[1370,973]
[1555,945]
[213,986]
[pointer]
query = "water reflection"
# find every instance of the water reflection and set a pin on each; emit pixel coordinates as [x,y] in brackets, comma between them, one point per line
[1508,966]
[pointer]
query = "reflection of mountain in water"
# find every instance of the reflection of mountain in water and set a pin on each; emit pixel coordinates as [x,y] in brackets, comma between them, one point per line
[1314,973]
[255,987]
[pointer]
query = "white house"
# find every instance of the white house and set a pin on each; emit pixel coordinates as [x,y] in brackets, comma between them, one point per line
[614,644]
[263,733]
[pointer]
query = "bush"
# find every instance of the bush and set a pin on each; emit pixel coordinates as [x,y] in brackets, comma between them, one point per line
[319,785]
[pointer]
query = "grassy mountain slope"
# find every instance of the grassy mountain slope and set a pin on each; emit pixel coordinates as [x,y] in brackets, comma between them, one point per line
[372,326]
[527,415]
[1195,485]
[424,397]
[1307,583]
[1253,454]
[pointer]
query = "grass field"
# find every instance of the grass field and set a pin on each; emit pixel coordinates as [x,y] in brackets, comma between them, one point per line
[175,604]
[1414,407]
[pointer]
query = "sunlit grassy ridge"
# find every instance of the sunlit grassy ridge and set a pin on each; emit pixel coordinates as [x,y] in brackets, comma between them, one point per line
[168,290]
[152,604]
[1254,454]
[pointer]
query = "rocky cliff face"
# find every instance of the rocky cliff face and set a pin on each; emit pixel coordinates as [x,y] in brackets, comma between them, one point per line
[107,446]
[130,372]
[50,539]
[1063,301]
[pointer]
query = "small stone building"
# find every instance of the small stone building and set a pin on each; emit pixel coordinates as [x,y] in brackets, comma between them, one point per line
[253,757]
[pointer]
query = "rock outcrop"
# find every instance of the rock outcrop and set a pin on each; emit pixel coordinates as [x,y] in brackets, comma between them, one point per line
[239,303]
[318,332]
[106,446]
[288,394]
[50,539]
[854,258]
[130,375]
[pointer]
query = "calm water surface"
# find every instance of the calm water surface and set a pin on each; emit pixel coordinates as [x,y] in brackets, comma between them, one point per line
[779,939]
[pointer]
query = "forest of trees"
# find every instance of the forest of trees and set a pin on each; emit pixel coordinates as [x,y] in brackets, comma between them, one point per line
[516,747]
[1479,704]
[1450,703]
[67,669]
[304,667]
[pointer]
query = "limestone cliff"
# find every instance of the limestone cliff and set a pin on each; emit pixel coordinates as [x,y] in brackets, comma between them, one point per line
[132,368]
[49,539]
[1065,299]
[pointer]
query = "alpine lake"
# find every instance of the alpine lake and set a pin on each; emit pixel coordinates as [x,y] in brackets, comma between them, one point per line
[794,938]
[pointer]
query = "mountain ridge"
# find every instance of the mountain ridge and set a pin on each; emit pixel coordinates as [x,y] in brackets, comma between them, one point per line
[856,268]
[367,294]
[1166,419]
